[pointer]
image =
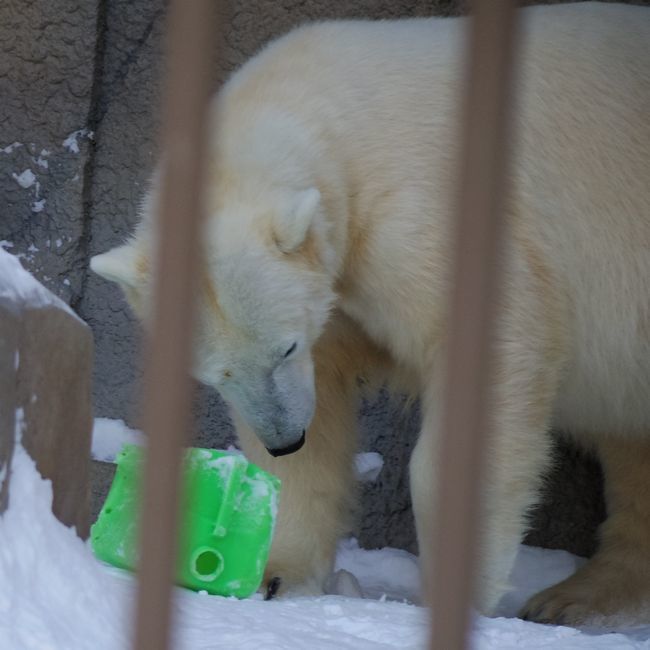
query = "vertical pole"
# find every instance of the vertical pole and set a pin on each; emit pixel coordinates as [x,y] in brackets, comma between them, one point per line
[479,225]
[167,390]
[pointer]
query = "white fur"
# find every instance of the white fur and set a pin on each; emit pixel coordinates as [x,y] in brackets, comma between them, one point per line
[293,223]
[118,265]
[332,177]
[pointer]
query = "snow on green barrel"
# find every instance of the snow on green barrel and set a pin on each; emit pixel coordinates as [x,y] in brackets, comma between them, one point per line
[228,518]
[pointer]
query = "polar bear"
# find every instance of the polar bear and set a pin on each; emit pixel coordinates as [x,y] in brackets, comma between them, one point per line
[331,174]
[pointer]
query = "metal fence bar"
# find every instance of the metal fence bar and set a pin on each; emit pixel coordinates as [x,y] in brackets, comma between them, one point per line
[479,227]
[167,389]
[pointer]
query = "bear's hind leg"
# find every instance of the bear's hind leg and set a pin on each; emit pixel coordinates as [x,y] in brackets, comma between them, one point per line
[614,586]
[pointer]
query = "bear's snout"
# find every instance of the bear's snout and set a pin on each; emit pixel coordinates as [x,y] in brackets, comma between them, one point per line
[290,449]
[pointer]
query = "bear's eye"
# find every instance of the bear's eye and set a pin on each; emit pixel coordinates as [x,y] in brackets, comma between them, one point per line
[291,350]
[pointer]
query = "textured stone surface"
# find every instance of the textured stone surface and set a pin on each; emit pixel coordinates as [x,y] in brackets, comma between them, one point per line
[101,477]
[69,67]
[124,152]
[47,56]
[45,374]
[385,504]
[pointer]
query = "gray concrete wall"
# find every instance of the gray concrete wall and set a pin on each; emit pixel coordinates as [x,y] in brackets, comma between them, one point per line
[79,84]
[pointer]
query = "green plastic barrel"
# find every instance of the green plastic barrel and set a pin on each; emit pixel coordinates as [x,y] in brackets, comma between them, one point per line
[228,516]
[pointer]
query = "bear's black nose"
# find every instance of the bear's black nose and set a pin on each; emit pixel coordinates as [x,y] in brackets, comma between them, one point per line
[284,451]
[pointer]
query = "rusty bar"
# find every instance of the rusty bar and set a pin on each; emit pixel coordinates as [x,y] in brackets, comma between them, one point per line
[167,389]
[480,203]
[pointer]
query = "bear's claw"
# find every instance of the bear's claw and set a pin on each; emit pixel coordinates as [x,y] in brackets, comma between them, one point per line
[272,588]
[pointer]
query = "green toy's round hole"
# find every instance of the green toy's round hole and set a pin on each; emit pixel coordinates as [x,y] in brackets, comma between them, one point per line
[207,564]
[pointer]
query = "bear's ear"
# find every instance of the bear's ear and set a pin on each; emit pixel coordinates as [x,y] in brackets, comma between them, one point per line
[119,265]
[292,225]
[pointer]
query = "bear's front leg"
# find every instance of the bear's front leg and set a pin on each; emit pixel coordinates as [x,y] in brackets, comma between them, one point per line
[516,455]
[316,486]
[318,480]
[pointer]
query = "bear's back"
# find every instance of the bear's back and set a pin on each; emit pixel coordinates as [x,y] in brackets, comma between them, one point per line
[384,96]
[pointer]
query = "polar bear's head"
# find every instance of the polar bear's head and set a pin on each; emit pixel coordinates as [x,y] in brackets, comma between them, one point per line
[265,293]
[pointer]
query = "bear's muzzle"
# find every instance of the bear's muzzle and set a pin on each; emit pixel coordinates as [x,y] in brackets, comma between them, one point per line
[285,451]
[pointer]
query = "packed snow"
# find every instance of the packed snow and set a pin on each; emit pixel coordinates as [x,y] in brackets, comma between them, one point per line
[71,142]
[10,148]
[25,179]
[54,594]
[368,465]
[19,286]
[41,161]
[38,206]
[110,435]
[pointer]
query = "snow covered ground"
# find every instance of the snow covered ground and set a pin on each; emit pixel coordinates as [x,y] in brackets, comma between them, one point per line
[110,435]
[54,595]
